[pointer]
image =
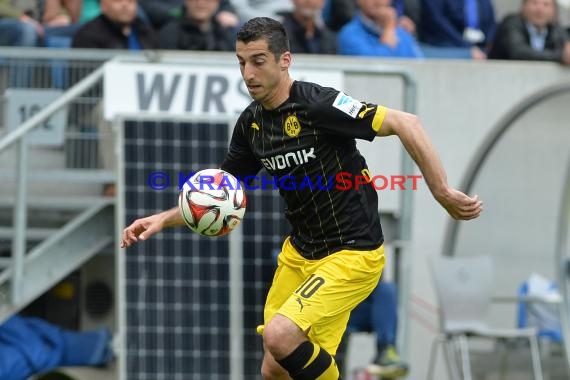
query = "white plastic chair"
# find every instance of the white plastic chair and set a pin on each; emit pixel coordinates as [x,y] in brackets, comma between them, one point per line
[464,288]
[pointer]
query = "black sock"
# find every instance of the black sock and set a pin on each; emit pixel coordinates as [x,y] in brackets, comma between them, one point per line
[309,362]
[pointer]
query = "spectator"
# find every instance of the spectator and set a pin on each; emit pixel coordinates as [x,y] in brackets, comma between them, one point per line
[532,34]
[564,14]
[337,13]
[408,14]
[379,314]
[61,20]
[30,346]
[248,9]
[307,32]
[61,12]
[17,27]
[227,15]
[117,27]
[197,29]
[89,10]
[162,12]
[374,31]
[459,28]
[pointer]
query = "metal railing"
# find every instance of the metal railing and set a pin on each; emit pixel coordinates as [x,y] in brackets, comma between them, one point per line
[76,73]
[31,78]
[19,137]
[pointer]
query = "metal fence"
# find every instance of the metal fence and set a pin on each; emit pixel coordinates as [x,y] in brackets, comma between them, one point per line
[74,138]
[184,306]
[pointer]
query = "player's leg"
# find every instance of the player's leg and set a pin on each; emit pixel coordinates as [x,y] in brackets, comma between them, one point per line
[283,339]
[288,276]
[289,346]
[320,306]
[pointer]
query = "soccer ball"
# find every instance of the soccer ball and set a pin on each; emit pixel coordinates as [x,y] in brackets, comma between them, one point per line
[212,202]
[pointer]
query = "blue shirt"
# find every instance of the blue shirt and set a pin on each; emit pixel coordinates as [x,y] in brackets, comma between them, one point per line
[444,21]
[361,37]
[537,37]
[134,43]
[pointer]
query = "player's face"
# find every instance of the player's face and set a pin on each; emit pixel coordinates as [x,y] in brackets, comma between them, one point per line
[262,73]
[120,11]
[539,12]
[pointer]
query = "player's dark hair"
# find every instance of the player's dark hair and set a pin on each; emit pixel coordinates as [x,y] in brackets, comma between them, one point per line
[265,28]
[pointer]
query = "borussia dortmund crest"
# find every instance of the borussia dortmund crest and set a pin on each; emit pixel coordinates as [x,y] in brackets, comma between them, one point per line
[292,126]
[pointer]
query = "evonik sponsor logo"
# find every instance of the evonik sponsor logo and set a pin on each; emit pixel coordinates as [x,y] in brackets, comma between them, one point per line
[287,160]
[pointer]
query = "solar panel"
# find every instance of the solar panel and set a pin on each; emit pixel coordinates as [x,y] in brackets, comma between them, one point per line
[178,282]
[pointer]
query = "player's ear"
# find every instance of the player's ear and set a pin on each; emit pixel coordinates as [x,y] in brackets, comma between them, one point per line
[285,60]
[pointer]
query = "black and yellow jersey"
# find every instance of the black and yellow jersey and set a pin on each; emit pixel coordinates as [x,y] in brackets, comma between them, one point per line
[304,144]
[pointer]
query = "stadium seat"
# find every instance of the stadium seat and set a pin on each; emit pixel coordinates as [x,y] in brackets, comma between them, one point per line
[464,288]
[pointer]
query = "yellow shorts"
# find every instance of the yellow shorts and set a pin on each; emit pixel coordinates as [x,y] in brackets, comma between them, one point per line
[318,295]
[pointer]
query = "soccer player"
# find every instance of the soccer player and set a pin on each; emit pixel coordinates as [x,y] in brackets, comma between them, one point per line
[334,255]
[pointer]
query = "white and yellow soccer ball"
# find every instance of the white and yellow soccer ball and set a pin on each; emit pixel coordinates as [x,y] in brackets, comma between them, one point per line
[212,202]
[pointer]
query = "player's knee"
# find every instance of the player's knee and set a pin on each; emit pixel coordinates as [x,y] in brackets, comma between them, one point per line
[273,336]
[281,336]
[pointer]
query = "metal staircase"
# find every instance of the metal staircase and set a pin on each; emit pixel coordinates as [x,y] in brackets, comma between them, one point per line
[68,226]
[55,257]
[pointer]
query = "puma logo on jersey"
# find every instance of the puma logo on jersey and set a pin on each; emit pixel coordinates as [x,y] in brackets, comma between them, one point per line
[255,126]
[287,160]
[365,111]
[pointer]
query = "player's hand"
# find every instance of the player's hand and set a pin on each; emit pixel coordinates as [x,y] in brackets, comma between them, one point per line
[141,229]
[461,206]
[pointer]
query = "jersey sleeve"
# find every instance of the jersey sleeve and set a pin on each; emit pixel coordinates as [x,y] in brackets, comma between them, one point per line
[240,160]
[340,114]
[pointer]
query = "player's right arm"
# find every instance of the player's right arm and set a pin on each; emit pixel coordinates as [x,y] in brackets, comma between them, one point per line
[414,138]
[142,229]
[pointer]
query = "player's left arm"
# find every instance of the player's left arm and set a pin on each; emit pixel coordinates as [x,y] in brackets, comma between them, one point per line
[409,130]
[142,229]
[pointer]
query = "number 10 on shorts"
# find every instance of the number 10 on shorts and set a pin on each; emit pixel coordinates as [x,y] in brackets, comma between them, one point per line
[310,286]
